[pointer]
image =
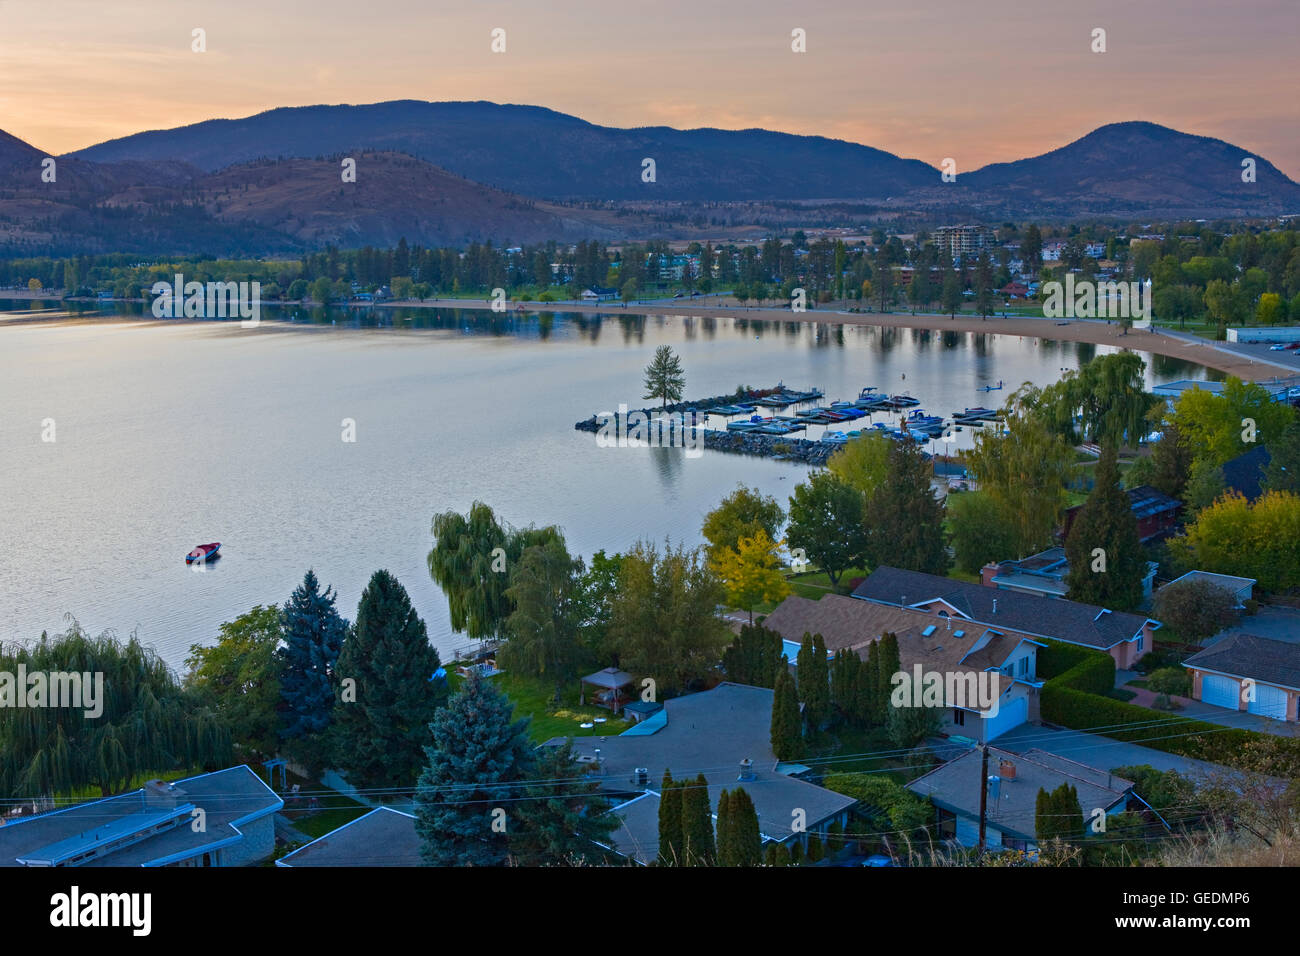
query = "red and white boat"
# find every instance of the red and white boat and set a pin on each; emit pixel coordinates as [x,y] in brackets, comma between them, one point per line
[204,553]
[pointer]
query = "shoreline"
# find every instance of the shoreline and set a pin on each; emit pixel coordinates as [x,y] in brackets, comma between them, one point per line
[1159,341]
[1166,342]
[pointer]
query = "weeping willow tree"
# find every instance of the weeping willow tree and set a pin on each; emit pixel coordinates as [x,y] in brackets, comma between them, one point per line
[1023,470]
[146,723]
[472,560]
[1105,401]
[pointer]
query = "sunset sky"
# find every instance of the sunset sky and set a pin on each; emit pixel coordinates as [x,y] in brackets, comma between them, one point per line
[978,81]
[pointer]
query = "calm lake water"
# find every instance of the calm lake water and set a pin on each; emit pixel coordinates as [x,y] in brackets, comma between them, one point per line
[170,434]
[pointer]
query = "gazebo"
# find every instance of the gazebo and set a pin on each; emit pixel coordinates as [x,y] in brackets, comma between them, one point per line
[609,683]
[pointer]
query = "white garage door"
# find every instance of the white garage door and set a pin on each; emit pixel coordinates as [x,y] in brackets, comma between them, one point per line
[1011,714]
[1269,702]
[1220,691]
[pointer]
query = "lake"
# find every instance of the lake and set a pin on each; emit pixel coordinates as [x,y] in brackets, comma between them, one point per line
[171,434]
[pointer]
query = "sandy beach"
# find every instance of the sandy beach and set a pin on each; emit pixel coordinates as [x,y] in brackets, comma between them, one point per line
[1160,341]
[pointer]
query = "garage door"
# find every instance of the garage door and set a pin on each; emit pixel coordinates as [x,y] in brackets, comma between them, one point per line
[1220,691]
[1269,702]
[1011,714]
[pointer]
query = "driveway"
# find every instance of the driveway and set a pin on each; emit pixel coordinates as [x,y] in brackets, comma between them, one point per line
[1275,623]
[1100,752]
[1219,715]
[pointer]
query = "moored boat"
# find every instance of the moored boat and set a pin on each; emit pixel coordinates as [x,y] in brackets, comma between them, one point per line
[204,553]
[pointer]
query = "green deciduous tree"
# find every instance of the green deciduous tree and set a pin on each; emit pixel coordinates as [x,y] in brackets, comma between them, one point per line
[1104,401]
[742,514]
[1220,427]
[862,462]
[1195,609]
[1171,462]
[982,531]
[1283,471]
[1024,469]
[826,524]
[543,627]
[238,678]
[663,616]
[1258,541]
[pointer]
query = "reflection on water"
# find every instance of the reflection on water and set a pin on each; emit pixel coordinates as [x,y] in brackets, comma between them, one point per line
[170,434]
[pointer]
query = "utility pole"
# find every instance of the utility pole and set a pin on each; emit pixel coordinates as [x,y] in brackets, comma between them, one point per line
[984,792]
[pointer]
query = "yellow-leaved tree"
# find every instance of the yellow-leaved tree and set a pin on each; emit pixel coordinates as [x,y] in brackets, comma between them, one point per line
[751,572]
[1233,536]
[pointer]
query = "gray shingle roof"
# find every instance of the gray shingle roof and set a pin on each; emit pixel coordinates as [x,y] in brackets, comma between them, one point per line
[710,733]
[157,819]
[1246,655]
[955,786]
[1057,618]
[382,837]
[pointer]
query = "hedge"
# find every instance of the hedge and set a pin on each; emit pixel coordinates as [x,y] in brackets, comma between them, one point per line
[1074,697]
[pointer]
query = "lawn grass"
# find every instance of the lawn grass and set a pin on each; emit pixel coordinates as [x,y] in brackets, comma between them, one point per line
[533,698]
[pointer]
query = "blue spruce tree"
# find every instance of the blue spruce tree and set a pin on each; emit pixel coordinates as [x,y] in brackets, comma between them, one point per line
[477,762]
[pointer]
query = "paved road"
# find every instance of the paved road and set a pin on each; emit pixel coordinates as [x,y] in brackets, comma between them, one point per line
[1275,623]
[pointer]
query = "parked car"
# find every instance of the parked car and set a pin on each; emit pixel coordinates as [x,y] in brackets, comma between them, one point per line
[1277,348]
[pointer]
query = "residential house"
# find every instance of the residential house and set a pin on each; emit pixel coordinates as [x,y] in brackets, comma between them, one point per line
[598,293]
[1156,513]
[1245,473]
[225,818]
[1013,784]
[1245,672]
[1241,589]
[1046,573]
[950,648]
[382,837]
[725,733]
[1126,637]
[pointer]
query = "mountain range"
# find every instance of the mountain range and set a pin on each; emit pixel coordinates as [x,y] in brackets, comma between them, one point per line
[449,173]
